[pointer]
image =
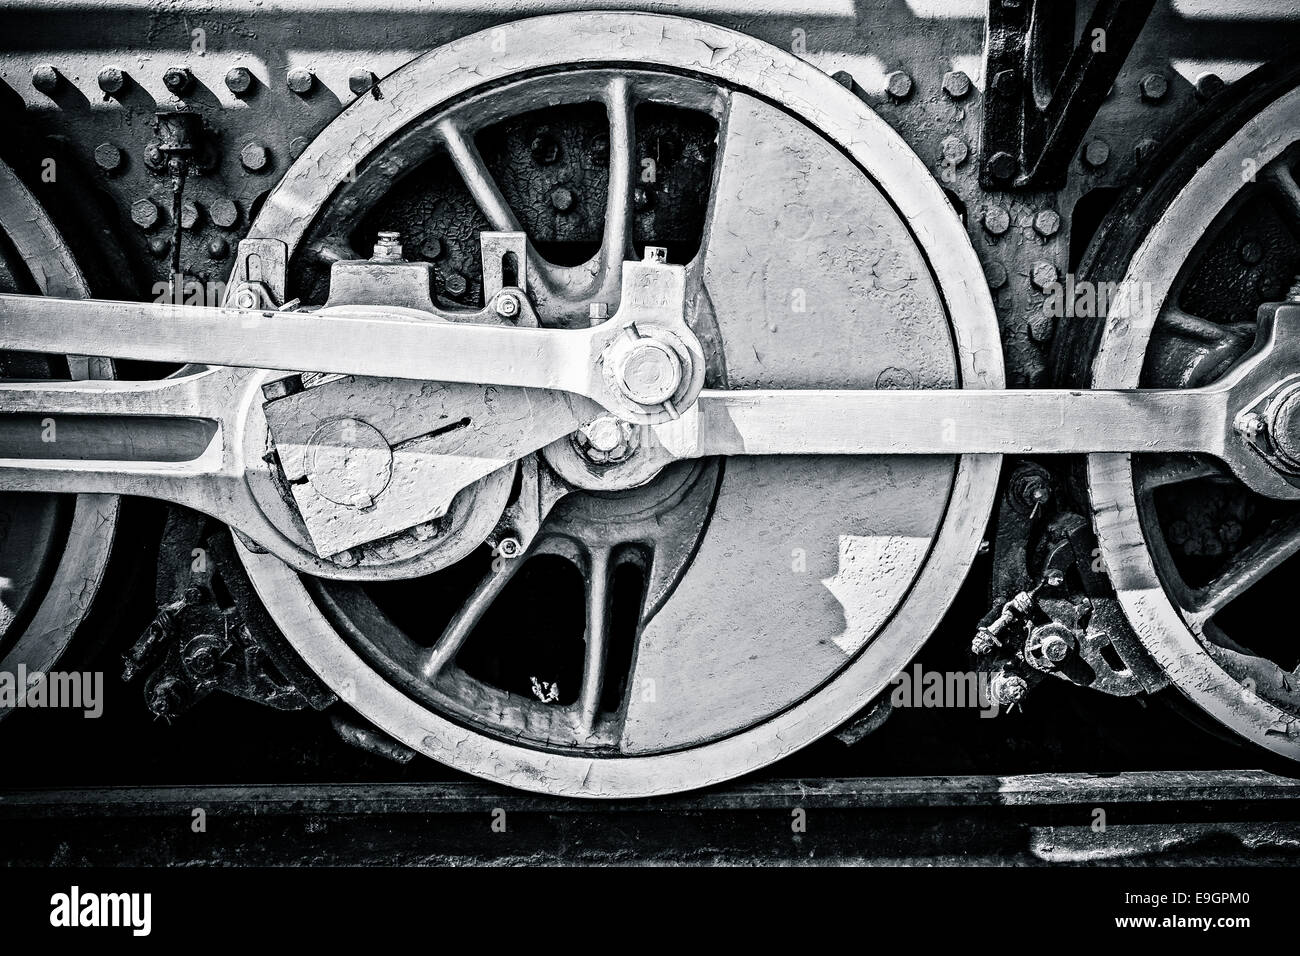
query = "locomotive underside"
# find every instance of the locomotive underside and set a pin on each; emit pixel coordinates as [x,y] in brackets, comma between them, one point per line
[613,404]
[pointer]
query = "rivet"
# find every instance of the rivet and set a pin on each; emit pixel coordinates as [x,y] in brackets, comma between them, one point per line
[360,80]
[177,79]
[1047,223]
[1208,85]
[108,157]
[144,213]
[1145,149]
[46,79]
[996,273]
[997,220]
[300,80]
[218,249]
[254,157]
[1043,275]
[224,212]
[1096,153]
[111,80]
[562,199]
[297,146]
[239,80]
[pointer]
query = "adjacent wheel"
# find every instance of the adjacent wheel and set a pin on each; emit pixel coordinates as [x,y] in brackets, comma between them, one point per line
[54,549]
[719,615]
[1202,567]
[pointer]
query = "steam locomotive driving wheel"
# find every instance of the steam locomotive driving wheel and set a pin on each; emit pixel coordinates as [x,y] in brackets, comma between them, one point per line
[590,620]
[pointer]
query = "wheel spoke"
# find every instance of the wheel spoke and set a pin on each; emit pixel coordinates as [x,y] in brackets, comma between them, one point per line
[1286,192]
[596,638]
[617,243]
[478,179]
[460,627]
[1248,568]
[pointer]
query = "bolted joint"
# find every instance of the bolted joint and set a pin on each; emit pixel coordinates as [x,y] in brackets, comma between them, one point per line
[606,440]
[388,247]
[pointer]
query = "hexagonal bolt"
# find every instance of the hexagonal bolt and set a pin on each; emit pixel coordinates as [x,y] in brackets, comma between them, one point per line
[562,199]
[46,79]
[300,80]
[1209,85]
[111,80]
[239,80]
[218,249]
[1096,153]
[605,440]
[1002,166]
[1047,223]
[1145,149]
[997,220]
[223,212]
[455,284]
[1153,87]
[1041,328]
[145,213]
[388,247]
[1043,275]
[508,305]
[544,149]
[254,157]
[955,150]
[360,80]
[996,273]
[108,157]
[246,298]
[898,85]
[177,79]
[956,84]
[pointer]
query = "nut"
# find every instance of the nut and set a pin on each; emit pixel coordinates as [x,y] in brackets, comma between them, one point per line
[509,546]
[1042,275]
[223,212]
[455,284]
[955,150]
[177,79]
[507,305]
[605,440]
[388,247]
[1002,166]
[1249,425]
[144,213]
[1041,328]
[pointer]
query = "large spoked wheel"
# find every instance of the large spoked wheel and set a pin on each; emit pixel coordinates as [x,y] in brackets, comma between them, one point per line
[718,615]
[54,549]
[1201,565]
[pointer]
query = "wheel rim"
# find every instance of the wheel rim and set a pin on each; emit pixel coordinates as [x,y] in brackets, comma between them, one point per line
[55,548]
[907,579]
[1178,623]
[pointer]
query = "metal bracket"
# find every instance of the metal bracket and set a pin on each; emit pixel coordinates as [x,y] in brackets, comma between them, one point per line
[1034,116]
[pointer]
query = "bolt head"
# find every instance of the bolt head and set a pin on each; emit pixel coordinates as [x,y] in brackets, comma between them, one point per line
[111,80]
[1047,223]
[898,85]
[1153,87]
[562,199]
[191,213]
[144,213]
[254,157]
[218,249]
[223,212]
[955,150]
[388,247]
[177,79]
[997,220]
[1009,688]
[507,305]
[1249,425]
[509,547]
[300,80]
[108,157]
[1096,153]
[239,80]
[246,299]
[1043,275]
[1055,648]
[455,284]
[956,84]
[1002,166]
[1209,85]
[46,79]
[1041,329]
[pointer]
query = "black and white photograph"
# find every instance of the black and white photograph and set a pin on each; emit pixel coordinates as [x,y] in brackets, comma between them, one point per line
[648,449]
